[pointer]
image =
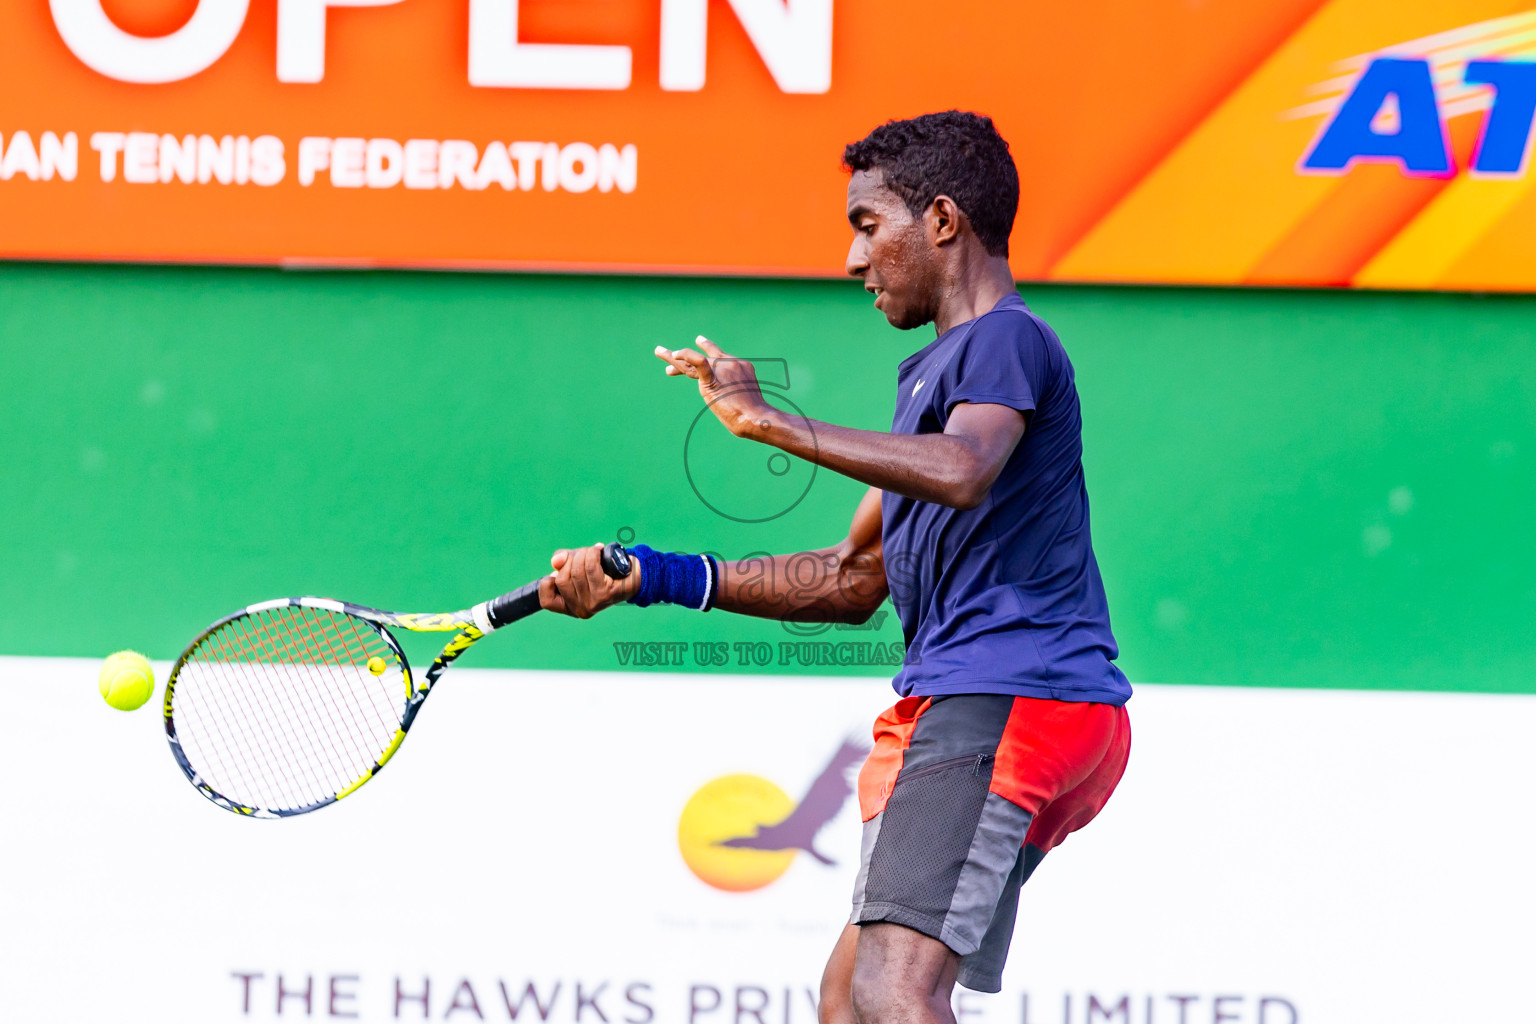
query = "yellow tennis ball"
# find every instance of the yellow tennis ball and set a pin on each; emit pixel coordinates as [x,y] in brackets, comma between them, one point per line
[376,665]
[126,680]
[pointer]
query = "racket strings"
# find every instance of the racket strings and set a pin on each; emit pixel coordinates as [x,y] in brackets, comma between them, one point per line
[270,776]
[329,729]
[278,717]
[278,709]
[249,730]
[347,744]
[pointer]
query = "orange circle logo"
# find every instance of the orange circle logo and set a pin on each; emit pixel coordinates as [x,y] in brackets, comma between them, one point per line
[733,808]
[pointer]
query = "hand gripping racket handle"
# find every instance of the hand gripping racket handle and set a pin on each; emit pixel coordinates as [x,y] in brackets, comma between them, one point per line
[524,601]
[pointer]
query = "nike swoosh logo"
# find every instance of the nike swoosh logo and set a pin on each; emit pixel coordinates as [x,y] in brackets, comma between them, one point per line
[918,387]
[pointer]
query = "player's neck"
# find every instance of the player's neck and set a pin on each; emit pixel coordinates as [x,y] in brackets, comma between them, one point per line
[972,287]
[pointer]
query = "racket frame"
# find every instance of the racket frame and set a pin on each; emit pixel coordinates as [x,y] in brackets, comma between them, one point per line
[438,622]
[471,625]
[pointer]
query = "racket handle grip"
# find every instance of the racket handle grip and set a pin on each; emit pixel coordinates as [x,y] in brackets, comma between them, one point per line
[616,561]
[524,601]
[508,608]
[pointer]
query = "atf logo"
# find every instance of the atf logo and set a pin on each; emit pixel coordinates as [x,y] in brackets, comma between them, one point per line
[741,832]
[1393,105]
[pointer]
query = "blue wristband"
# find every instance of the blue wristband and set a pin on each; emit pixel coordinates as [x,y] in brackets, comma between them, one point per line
[691,580]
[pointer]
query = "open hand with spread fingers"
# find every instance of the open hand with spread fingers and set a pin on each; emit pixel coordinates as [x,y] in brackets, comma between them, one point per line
[728,385]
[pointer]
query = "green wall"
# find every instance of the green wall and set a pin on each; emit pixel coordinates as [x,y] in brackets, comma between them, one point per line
[1289,488]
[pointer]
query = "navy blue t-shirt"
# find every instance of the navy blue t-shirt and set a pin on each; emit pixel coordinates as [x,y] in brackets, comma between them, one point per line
[1005,597]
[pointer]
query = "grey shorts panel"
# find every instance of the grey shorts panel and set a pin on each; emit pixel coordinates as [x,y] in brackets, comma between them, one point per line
[982,971]
[867,842]
[990,861]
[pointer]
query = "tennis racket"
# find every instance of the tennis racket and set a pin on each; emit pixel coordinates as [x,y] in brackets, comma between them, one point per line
[288,706]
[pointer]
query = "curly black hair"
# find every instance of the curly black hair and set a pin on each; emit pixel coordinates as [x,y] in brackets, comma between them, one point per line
[951,153]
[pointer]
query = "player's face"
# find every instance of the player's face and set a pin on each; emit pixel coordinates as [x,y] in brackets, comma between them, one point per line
[891,252]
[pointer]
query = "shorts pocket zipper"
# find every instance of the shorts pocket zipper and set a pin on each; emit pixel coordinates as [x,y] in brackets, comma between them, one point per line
[976,761]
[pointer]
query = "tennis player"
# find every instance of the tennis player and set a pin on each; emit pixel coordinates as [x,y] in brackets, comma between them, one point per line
[1011,730]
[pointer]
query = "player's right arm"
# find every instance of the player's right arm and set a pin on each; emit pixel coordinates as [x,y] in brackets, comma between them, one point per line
[842,583]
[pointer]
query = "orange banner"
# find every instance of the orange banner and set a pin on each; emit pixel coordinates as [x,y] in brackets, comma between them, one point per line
[1340,142]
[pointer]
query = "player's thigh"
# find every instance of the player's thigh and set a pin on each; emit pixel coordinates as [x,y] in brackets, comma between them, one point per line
[896,969]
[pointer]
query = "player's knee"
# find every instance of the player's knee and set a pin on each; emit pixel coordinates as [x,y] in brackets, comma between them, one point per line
[883,992]
[867,997]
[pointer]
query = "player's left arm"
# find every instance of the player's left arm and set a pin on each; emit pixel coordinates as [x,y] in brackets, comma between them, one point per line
[956,468]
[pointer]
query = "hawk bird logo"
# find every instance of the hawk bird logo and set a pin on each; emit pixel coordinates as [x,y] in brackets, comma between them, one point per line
[821,803]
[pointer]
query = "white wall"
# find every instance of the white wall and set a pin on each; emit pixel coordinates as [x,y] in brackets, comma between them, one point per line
[1360,857]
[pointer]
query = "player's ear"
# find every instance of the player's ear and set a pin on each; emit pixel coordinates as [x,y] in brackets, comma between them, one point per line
[943,219]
